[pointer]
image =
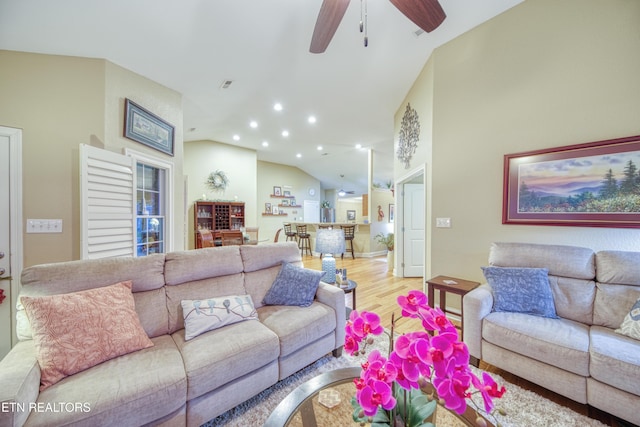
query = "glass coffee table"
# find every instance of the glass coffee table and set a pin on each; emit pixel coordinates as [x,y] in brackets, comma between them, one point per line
[325,401]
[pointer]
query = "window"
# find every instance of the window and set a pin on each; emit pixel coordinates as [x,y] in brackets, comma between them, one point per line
[154,201]
[126,204]
[150,209]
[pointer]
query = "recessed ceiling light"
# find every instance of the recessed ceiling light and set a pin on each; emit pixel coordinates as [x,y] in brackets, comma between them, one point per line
[312,119]
[358,146]
[319,147]
[277,106]
[298,155]
[253,124]
[265,143]
[285,133]
[236,137]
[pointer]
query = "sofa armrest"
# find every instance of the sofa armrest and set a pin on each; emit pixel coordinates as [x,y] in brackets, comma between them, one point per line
[20,379]
[334,298]
[476,305]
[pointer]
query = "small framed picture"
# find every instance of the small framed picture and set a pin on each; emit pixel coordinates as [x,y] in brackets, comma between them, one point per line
[267,207]
[277,191]
[285,202]
[287,193]
[351,215]
[293,202]
[274,209]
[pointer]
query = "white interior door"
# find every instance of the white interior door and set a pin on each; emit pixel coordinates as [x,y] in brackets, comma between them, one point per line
[414,229]
[5,267]
[10,230]
[311,211]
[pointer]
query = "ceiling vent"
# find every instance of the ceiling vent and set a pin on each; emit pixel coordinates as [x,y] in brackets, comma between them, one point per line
[226,84]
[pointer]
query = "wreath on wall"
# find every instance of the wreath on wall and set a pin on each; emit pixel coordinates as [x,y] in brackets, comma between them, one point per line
[217,181]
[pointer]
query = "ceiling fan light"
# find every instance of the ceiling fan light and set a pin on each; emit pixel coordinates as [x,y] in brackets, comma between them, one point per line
[342,193]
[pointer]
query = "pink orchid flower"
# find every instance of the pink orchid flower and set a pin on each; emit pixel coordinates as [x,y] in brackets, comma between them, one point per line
[411,303]
[488,389]
[374,395]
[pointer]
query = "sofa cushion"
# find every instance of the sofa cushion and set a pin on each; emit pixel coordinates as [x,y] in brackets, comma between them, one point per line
[615,359]
[189,266]
[631,323]
[521,290]
[268,255]
[573,298]
[619,267]
[212,287]
[556,342]
[297,326]
[612,304]
[146,274]
[293,286]
[222,355]
[133,389]
[213,313]
[560,260]
[78,330]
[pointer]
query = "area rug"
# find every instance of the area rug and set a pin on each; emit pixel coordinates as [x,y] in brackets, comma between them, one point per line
[521,407]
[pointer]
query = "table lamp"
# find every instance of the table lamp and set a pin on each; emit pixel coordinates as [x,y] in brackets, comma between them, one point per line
[328,243]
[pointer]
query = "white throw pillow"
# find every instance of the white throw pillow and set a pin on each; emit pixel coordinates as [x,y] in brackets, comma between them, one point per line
[208,314]
[631,324]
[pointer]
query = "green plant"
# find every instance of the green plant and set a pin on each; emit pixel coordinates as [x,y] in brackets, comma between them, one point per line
[387,241]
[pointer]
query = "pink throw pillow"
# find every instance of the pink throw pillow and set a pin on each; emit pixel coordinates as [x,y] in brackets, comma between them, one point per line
[75,331]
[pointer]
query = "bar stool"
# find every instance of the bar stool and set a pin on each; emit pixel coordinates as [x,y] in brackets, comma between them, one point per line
[349,232]
[291,235]
[304,241]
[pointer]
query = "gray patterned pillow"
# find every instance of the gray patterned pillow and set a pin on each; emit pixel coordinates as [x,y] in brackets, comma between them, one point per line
[293,286]
[631,324]
[521,290]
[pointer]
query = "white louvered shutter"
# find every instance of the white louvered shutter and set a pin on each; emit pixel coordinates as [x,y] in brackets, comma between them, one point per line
[107,224]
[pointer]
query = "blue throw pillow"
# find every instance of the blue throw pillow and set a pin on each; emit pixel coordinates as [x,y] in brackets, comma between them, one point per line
[293,286]
[521,290]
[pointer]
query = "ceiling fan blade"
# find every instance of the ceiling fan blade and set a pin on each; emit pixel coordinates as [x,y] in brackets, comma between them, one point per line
[329,17]
[426,14]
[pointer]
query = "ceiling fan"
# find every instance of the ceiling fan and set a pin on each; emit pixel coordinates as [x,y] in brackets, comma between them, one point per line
[343,192]
[426,14]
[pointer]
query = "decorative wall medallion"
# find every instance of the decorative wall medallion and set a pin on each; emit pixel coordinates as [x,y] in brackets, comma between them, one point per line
[217,181]
[409,136]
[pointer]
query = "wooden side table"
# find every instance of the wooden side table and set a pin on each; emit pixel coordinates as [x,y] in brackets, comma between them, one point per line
[350,288]
[446,284]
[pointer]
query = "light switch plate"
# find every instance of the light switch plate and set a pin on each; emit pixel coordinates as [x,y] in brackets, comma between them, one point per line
[44,226]
[443,222]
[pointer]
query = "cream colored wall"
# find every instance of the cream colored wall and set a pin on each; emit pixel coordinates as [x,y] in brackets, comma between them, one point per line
[383,199]
[543,74]
[291,179]
[239,164]
[61,102]
[58,103]
[420,97]
[348,204]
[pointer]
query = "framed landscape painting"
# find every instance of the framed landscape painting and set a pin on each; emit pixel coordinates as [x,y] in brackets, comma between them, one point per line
[146,128]
[595,184]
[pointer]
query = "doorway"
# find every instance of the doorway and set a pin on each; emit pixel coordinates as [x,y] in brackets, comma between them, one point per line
[10,231]
[411,229]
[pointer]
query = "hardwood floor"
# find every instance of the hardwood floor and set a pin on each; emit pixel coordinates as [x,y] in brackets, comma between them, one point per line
[378,290]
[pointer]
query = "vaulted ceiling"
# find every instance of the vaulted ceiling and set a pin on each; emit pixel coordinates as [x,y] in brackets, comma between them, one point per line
[262,48]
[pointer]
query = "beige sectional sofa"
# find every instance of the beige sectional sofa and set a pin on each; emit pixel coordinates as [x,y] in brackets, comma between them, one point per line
[577,355]
[175,382]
